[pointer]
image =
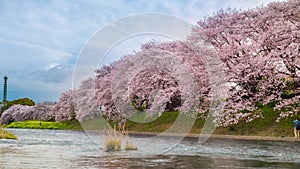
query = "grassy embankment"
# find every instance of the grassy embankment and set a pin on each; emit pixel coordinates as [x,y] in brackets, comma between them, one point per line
[35,124]
[265,126]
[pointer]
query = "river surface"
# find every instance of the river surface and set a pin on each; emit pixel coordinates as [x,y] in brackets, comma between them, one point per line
[76,149]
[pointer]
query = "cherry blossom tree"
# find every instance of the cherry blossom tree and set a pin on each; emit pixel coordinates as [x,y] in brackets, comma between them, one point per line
[260,50]
[86,106]
[64,109]
[154,76]
[24,112]
[103,86]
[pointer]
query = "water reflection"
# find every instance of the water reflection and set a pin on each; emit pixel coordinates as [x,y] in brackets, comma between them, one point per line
[74,149]
[177,161]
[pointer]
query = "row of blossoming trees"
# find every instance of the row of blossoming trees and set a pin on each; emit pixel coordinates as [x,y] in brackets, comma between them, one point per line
[258,51]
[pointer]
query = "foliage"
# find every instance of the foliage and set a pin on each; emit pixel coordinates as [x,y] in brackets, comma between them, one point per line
[24,112]
[63,110]
[21,101]
[259,48]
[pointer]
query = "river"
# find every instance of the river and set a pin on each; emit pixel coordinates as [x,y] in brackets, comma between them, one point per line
[76,149]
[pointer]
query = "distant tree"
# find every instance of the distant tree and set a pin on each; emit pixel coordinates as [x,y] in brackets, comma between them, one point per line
[21,101]
[23,112]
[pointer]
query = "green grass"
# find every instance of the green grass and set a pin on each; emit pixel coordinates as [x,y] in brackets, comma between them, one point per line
[160,124]
[7,135]
[34,124]
[140,123]
[265,126]
[72,125]
[98,123]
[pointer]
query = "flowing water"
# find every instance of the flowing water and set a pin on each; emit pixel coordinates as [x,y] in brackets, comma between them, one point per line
[76,149]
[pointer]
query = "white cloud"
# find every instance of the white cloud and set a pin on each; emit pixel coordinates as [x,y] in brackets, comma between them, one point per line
[53,73]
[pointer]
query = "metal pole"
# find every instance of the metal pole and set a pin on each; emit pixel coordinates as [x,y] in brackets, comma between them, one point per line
[5,89]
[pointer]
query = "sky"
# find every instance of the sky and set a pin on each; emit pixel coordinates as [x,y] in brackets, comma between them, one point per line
[41,40]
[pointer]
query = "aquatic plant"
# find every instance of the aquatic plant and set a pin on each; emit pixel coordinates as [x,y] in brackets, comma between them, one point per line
[113,140]
[128,144]
[7,135]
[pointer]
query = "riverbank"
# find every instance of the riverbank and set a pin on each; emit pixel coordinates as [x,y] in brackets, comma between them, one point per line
[216,136]
[75,125]
[261,128]
[265,126]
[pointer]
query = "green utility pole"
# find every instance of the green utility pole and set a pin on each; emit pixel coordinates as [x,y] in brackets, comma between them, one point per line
[5,90]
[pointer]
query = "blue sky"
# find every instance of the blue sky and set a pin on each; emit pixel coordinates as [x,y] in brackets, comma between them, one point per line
[40,40]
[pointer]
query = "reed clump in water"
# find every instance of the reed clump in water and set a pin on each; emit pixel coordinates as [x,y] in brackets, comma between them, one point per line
[113,140]
[128,144]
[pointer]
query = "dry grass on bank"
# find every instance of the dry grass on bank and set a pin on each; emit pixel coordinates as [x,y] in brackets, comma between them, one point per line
[7,135]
